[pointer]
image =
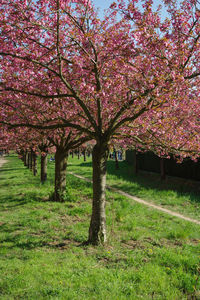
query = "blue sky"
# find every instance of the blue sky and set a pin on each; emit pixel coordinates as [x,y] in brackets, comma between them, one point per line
[103,4]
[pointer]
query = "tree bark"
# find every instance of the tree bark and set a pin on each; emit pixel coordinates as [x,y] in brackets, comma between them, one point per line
[26,158]
[29,160]
[84,155]
[43,172]
[22,155]
[78,154]
[60,173]
[34,164]
[116,160]
[97,230]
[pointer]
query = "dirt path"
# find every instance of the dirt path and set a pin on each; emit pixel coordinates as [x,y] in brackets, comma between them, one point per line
[136,199]
[2,161]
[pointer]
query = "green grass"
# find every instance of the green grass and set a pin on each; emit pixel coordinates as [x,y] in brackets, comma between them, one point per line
[149,255]
[177,194]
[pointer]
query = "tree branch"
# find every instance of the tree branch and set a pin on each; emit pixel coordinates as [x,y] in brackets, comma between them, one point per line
[36,94]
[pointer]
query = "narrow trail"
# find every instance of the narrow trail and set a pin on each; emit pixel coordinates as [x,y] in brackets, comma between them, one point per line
[136,199]
[2,161]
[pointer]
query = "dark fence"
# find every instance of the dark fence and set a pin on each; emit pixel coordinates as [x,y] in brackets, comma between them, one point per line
[148,161]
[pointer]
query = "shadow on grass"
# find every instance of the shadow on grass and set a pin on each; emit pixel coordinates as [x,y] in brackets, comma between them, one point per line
[14,242]
[149,180]
[11,169]
[9,202]
[15,236]
[15,184]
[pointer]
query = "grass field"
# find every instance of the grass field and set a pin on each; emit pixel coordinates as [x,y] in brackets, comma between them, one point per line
[177,194]
[149,255]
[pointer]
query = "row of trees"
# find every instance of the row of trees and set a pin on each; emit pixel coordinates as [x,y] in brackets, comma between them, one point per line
[69,77]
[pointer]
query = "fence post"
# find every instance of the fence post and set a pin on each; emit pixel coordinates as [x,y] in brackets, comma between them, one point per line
[135,163]
[162,169]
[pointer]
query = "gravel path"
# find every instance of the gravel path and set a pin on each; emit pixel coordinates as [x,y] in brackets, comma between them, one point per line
[136,199]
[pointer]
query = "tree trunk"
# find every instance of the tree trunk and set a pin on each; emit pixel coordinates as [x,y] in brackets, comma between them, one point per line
[34,164]
[22,155]
[60,174]
[43,171]
[78,154]
[29,160]
[97,230]
[26,158]
[84,155]
[116,160]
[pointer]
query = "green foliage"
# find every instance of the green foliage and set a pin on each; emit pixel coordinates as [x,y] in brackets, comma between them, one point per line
[149,255]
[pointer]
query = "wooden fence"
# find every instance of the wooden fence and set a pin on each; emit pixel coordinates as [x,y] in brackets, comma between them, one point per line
[148,161]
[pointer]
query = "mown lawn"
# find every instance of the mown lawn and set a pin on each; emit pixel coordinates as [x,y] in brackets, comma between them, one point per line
[149,255]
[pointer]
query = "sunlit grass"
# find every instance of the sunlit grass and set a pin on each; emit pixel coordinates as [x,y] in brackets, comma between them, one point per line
[149,255]
[174,193]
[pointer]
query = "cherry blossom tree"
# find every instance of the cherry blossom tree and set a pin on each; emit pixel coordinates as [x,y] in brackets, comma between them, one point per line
[28,142]
[64,140]
[131,74]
